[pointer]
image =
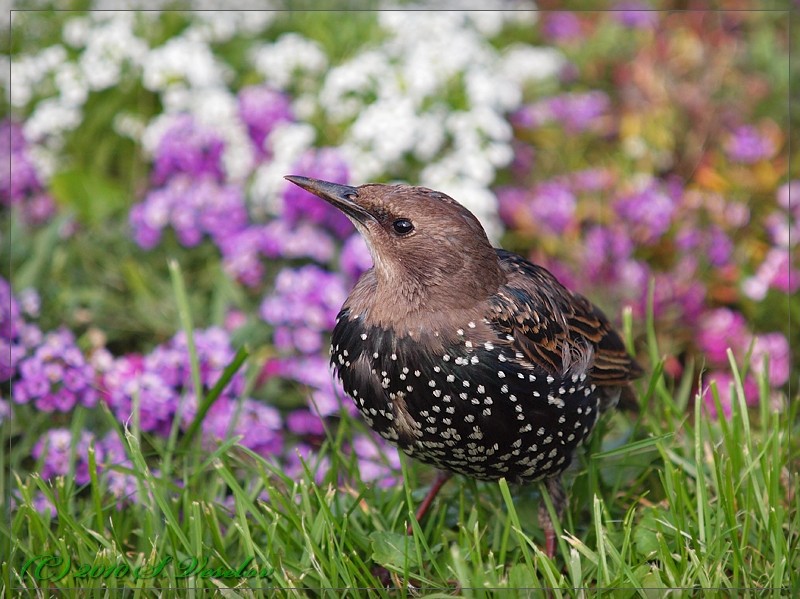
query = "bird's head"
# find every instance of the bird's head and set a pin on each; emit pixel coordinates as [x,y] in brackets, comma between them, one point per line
[426,247]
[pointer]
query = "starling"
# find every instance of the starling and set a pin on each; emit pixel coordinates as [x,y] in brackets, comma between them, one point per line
[464,356]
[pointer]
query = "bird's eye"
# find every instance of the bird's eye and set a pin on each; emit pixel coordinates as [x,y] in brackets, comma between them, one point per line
[402,226]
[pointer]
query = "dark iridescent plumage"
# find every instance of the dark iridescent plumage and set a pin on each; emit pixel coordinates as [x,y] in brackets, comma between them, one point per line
[468,357]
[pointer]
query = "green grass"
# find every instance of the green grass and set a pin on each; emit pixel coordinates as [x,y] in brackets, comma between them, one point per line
[666,498]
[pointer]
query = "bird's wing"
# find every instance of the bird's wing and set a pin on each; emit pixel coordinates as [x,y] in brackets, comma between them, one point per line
[556,329]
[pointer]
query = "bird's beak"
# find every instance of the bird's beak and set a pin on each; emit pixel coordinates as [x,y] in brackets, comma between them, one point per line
[340,196]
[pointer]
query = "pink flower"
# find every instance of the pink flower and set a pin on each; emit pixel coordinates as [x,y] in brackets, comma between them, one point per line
[774,273]
[775,347]
[721,329]
[725,384]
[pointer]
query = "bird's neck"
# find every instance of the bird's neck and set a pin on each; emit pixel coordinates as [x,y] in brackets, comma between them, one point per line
[415,300]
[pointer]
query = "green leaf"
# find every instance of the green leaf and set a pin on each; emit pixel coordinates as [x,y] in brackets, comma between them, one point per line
[93,197]
[393,549]
[645,535]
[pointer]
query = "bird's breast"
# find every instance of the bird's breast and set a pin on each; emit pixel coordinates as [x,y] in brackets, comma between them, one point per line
[472,405]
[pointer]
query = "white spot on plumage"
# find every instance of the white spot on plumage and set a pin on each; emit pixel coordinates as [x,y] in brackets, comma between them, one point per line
[471,325]
[501,374]
[460,332]
[488,346]
[550,379]
[450,378]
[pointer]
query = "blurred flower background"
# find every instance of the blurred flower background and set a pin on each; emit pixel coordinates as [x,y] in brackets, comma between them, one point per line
[640,155]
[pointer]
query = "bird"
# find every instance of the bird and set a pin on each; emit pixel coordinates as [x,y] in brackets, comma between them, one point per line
[468,357]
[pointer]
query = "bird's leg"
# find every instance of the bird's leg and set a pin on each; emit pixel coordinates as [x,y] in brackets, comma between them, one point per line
[559,498]
[441,478]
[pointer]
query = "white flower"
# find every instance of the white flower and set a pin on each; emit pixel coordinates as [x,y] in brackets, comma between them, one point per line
[522,63]
[223,25]
[110,44]
[183,60]
[72,88]
[29,71]
[287,142]
[49,119]
[289,55]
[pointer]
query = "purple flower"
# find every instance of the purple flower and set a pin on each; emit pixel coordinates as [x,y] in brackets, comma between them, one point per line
[648,212]
[677,294]
[12,139]
[721,329]
[241,255]
[303,306]
[591,179]
[162,380]
[298,204]
[605,249]
[377,461]
[513,205]
[302,453]
[214,353]
[56,376]
[576,112]
[775,272]
[261,108]
[10,319]
[355,258]
[20,183]
[720,247]
[127,381]
[304,422]
[298,240]
[193,207]
[782,231]
[258,424]
[189,148]
[55,450]
[579,111]
[553,204]
[18,177]
[326,395]
[561,27]
[748,145]
[524,158]
[635,15]
[122,486]
[5,411]
[775,347]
